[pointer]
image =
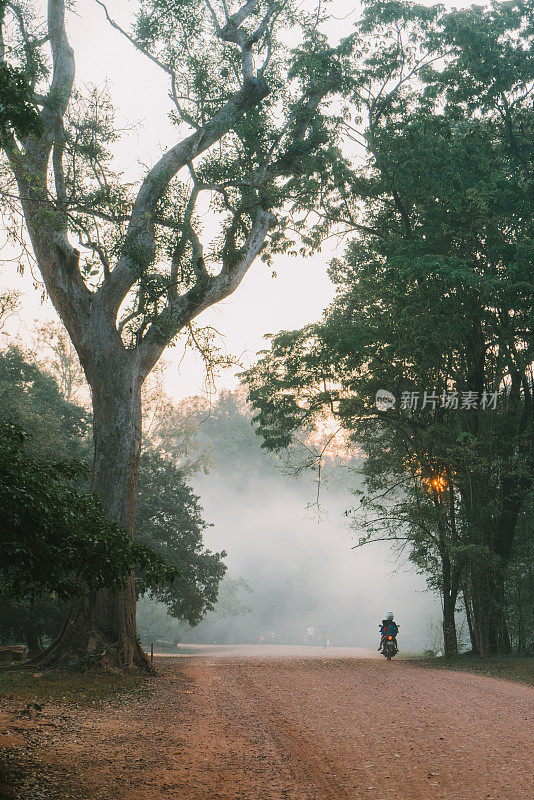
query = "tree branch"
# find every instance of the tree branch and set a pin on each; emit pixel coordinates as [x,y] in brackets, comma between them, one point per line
[138,249]
[207,291]
[46,220]
[63,60]
[133,41]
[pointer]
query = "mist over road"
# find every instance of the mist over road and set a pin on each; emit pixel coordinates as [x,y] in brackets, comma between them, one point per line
[226,724]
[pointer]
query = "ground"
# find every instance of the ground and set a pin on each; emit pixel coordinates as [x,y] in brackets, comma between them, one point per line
[267,723]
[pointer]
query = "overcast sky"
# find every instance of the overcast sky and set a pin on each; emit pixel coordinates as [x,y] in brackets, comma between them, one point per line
[262,304]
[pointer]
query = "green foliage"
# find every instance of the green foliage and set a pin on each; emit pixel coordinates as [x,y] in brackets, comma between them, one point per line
[169,521]
[55,538]
[30,398]
[225,428]
[17,112]
[169,516]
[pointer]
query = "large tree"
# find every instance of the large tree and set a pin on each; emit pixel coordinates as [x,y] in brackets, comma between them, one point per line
[250,138]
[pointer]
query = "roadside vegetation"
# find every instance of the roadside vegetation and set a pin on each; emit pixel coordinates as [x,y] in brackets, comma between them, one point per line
[54,536]
[69,687]
[504,667]
[434,307]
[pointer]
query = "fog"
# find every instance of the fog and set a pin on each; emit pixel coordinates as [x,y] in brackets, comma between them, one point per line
[295,557]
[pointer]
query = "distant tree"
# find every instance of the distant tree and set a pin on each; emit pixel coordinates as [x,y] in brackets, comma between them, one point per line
[219,625]
[57,354]
[225,426]
[154,623]
[30,398]
[171,429]
[9,302]
[169,521]
[252,140]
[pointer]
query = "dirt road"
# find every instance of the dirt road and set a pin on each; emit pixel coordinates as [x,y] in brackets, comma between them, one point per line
[228,725]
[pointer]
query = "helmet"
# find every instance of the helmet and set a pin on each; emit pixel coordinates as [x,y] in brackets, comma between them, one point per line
[389,615]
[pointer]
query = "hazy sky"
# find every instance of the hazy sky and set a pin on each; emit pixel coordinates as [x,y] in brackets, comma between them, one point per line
[262,303]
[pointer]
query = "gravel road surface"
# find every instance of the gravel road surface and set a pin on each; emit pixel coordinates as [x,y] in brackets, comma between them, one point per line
[271,723]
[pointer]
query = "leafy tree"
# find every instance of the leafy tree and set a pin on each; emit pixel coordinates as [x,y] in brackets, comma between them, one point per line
[58,356]
[55,430]
[30,398]
[251,139]
[55,539]
[17,112]
[154,623]
[169,521]
[435,294]
[224,427]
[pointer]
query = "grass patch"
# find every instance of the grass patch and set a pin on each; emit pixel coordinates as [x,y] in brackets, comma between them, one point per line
[78,688]
[510,668]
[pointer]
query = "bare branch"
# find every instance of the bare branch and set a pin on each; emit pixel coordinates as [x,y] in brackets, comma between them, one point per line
[134,41]
[382,539]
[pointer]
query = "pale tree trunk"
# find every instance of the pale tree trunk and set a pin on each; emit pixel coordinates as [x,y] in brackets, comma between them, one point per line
[100,628]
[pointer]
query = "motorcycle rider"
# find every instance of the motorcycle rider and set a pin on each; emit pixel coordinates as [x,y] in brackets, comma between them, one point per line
[388,627]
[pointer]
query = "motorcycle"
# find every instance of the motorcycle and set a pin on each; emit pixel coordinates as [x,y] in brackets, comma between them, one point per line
[389,648]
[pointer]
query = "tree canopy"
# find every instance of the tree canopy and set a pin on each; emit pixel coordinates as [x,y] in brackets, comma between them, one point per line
[55,538]
[434,301]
